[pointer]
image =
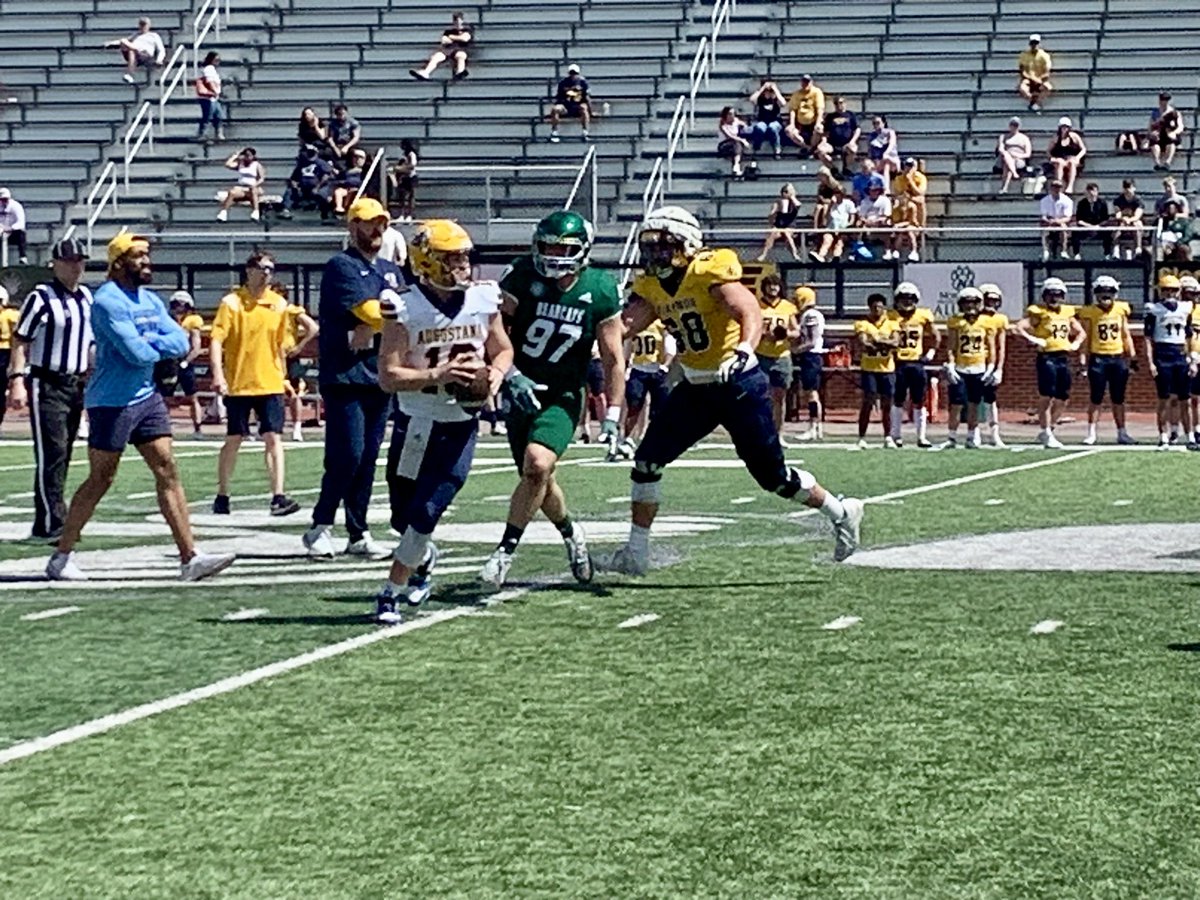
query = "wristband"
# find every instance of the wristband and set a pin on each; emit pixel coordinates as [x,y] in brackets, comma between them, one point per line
[613,414]
[745,347]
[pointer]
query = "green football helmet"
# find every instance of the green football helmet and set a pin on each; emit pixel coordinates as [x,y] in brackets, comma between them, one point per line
[569,235]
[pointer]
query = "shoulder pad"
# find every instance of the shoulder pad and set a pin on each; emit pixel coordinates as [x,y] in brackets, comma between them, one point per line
[487,292]
[720,265]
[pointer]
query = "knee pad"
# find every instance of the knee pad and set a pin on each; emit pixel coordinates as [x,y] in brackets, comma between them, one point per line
[411,549]
[647,482]
[645,472]
[797,486]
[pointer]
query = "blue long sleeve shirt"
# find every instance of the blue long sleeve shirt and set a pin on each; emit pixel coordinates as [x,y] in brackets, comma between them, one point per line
[133,331]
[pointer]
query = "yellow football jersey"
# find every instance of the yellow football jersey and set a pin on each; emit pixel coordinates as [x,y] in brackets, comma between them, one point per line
[969,342]
[778,316]
[912,333]
[997,321]
[877,362]
[706,334]
[191,322]
[647,346]
[1194,321]
[8,324]
[1104,328]
[1053,326]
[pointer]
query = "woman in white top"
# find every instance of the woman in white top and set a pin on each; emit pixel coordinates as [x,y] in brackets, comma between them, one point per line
[208,94]
[840,215]
[881,147]
[251,176]
[1013,150]
[732,145]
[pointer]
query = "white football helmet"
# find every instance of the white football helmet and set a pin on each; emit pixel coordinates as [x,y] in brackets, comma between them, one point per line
[669,238]
[1054,291]
[1189,286]
[1107,283]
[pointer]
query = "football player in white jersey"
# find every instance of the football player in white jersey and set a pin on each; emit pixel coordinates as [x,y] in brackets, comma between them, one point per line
[809,357]
[444,353]
[1167,326]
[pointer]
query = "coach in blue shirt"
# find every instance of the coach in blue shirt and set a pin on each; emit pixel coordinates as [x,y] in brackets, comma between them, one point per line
[133,331]
[356,409]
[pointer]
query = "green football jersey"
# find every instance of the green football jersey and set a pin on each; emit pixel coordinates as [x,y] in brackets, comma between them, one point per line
[553,330]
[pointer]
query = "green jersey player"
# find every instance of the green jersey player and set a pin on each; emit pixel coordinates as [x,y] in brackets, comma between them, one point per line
[556,308]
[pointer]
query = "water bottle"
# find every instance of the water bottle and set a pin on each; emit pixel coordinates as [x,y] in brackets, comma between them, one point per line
[606,108]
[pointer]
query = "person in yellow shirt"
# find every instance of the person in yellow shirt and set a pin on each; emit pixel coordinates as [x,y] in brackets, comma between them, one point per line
[1051,326]
[997,321]
[247,348]
[1189,293]
[8,322]
[918,343]
[971,344]
[172,375]
[300,330]
[1033,67]
[1106,354]
[650,354]
[781,326]
[806,113]
[908,211]
[877,336]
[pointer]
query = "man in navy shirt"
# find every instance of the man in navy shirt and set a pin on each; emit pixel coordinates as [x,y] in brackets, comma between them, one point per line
[356,409]
[841,134]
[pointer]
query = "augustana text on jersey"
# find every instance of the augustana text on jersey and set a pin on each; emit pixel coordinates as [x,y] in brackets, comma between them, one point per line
[450,333]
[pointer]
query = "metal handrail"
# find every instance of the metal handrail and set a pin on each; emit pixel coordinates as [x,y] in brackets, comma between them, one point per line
[167,90]
[721,12]
[207,18]
[367,175]
[701,65]
[589,163]
[676,134]
[146,133]
[107,182]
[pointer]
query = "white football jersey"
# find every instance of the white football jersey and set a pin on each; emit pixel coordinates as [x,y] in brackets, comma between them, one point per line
[433,336]
[812,329]
[1170,325]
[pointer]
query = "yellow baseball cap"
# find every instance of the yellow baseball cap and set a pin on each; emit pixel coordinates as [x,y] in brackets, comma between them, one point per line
[1168,281]
[123,243]
[804,296]
[366,209]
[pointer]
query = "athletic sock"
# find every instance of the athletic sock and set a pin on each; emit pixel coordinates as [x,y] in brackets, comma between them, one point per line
[952,433]
[639,540]
[1091,432]
[512,537]
[922,416]
[897,421]
[974,437]
[392,589]
[814,411]
[832,507]
[566,528]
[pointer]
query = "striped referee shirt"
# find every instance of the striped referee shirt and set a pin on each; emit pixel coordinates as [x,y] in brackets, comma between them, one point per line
[57,323]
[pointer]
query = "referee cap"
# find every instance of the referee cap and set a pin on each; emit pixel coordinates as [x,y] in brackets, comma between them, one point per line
[123,243]
[68,249]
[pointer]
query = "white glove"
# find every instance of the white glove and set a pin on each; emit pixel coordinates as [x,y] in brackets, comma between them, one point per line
[997,377]
[952,373]
[743,358]
[989,375]
[1036,341]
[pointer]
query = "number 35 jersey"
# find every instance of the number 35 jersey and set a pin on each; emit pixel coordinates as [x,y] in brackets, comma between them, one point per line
[437,331]
[706,334]
[552,329]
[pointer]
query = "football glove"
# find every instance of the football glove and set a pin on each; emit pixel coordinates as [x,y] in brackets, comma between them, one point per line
[743,358]
[609,433]
[952,373]
[1036,341]
[989,375]
[521,392]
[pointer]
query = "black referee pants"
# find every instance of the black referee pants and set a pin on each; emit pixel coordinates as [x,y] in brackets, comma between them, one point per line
[55,407]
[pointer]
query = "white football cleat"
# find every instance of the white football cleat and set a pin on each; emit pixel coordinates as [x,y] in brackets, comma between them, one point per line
[318,540]
[996,442]
[204,565]
[578,555]
[367,547]
[61,567]
[1050,442]
[971,443]
[625,561]
[1089,441]
[848,531]
[862,444]
[495,568]
[889,443]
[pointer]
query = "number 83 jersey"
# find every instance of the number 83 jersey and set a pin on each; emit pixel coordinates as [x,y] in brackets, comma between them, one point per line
[705,332]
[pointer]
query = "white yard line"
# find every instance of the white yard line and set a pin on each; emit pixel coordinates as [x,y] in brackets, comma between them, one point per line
[50,613]
[243,615]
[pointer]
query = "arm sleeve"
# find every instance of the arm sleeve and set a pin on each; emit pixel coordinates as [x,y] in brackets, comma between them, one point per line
[112,324]
[32,311]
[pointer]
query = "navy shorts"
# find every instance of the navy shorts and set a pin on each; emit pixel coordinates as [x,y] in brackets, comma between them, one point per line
[1109,372]
[595,377]
[642,385]
[989,393]
[968,390]
[778,371]
[1054,375]
[428,463]
[882,384]
[112,428]
[170,377]
[268,408]
[911,383]
[810,370]
[1172,378]
[742,407]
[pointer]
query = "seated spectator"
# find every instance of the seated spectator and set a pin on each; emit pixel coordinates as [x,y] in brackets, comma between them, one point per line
[867,176]
[1175,233]
[806,107]
[344,134]
[839,217]
[143,48]
[312,130]
[910,188]
[1066,152]
[732,145]
[841,137]
[827,186]
[881,148]
[1170,195]
[768,103]
[1129,212]
[346,184]
[1033,68]
[248,189]
[12,224]
[1057,211]
[571,101]
[453,47]
[1091,217]
[875,213]
[1013,151]
[402,176]
[1166,128]
[783,215]
[306,185]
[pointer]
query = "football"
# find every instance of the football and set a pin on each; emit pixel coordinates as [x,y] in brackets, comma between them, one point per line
[474,395]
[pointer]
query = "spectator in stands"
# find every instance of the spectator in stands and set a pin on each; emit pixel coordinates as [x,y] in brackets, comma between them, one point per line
[143,48]
[731,144]
[1057,211]
[782,217]
[1034,66]
[1176,231]
[1170,194]
[1166,127]
[881,148]
[571,101]
[344,134]
[208,94]
[453,47]
[841,137]
[248,189]
[311,129]
[875,213]
[1129,212]
[827,186]
[861,182]
[305,185]
[402,176]
[1091,217]
[910,188]
[768,103]
[840,216]
[12,223]
[347,182]
[806,108]
[1013,151]
[1066,152]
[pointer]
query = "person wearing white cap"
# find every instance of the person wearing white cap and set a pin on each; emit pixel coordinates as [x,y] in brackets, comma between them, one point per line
[1052,328]
[571,101]
[1034,67]
[12,223]
[1066,152]
[1106,354]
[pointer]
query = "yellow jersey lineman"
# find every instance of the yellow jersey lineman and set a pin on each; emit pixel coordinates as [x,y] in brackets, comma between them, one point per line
[1107,352]
[1051,326]
[998,322]
[972,354]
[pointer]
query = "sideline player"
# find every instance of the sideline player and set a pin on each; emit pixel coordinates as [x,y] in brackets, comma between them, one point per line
[301,330]
[1107,354]
[1166,330]
[557,306]
[781,326]
[918,343]
[698,295]
[1054,330]
[972,354]
[171,375]
[1189,289]
[877,336]
[650,353]
[809,358]
[436,337]
[998,322]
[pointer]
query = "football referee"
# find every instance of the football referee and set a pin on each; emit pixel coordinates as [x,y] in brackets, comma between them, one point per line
[52,343]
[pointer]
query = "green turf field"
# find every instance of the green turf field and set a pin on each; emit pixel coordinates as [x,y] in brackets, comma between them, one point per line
[733,746]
